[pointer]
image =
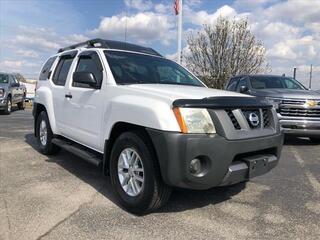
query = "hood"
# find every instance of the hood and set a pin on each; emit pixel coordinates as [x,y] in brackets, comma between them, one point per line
[286,93]
[174,92]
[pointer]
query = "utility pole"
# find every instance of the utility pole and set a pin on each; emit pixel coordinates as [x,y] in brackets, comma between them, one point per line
[310,82]
[294,72]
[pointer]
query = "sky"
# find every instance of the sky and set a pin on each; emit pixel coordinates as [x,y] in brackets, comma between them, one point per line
[32,30]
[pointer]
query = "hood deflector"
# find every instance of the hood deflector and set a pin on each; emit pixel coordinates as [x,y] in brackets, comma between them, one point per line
[223,103]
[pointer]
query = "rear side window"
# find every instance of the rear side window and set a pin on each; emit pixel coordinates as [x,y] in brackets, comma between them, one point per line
[44,75]
[61,72]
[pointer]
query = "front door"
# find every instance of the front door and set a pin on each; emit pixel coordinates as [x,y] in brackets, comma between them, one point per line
[83,110]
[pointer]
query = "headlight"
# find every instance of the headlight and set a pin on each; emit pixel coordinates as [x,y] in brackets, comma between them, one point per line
[1,93]
[274,101]
[194,120]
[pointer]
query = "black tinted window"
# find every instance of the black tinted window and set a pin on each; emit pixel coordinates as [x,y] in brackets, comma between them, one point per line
[275,82]
[243,82]
[61,72]
[89,63]
[131,68]
[233,84]
[44,75]
[4,78]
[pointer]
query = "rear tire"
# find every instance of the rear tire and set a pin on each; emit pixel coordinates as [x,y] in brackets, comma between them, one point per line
[133,158]
[8,108]
[315,140]
[45,135]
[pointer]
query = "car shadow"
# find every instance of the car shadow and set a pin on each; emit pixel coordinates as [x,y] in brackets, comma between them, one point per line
[298,141]
[13,109]
[180,200]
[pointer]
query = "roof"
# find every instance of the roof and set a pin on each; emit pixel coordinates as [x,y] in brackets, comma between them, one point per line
[111,44]
[257,75]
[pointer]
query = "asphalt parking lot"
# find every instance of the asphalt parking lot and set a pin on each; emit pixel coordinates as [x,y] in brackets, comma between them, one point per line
[63,197]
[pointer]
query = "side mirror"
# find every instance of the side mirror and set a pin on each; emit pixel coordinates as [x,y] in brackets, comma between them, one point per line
[244,89]
[85,78]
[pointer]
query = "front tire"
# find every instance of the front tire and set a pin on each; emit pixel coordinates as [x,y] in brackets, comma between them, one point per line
[45,135]
[135,174]
[8,108]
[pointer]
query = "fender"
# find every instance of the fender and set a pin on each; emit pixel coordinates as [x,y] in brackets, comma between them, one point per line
[44,96]
[139,110]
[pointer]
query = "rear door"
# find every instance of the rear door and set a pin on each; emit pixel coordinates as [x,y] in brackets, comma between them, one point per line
[59,78]
[84,107]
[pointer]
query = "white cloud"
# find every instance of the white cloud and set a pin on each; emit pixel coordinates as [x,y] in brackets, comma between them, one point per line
[140,5]
[142,28]
[250,4]
[295,11]
[163,8]
[203,17]
[11,64]
[27,53]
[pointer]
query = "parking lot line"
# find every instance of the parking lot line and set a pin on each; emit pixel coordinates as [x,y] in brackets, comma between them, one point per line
[313,181]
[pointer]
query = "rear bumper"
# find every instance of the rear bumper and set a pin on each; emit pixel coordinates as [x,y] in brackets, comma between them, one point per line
[300,127]
[227,162]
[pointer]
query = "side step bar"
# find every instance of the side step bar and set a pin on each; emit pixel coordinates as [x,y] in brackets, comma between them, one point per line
[79,151]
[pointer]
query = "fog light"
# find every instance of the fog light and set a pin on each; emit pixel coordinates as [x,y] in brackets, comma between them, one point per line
[195,166]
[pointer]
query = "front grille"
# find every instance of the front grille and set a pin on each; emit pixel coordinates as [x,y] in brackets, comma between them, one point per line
[266,118]
[299,112]
[294,102]
[255,118]
[300,108]
[233,119]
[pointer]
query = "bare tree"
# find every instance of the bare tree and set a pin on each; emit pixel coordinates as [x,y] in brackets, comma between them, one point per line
[225,49]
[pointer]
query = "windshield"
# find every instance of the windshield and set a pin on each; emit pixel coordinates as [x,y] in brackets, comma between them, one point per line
[4,78]
[131,68]
[275,82]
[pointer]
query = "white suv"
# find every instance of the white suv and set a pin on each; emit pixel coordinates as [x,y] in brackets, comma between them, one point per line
[150,123]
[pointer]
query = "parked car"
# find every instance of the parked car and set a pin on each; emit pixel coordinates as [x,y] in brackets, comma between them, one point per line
[150,123]
[298,108]
[11,92]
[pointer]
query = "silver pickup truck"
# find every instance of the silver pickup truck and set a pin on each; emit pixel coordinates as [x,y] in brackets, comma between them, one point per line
[298,108]
[11,92]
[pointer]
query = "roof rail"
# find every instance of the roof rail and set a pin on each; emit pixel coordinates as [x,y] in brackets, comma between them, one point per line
[111,44]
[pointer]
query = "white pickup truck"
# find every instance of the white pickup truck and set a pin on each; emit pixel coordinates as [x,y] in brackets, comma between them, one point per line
[150,123]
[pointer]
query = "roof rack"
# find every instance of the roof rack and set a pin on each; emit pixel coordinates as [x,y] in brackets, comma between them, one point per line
[111,44]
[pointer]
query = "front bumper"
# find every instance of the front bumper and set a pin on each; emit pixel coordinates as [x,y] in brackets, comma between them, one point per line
[228,162]
[300,127]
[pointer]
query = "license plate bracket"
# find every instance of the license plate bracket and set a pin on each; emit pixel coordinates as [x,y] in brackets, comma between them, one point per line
[257,165]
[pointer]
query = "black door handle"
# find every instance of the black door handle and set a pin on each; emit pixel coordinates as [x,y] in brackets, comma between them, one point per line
[68,96]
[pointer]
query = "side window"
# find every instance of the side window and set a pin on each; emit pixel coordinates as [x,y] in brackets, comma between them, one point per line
[44,74]
[61,72]
[242,82]
[89,62]
[291,84]
[233,84]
